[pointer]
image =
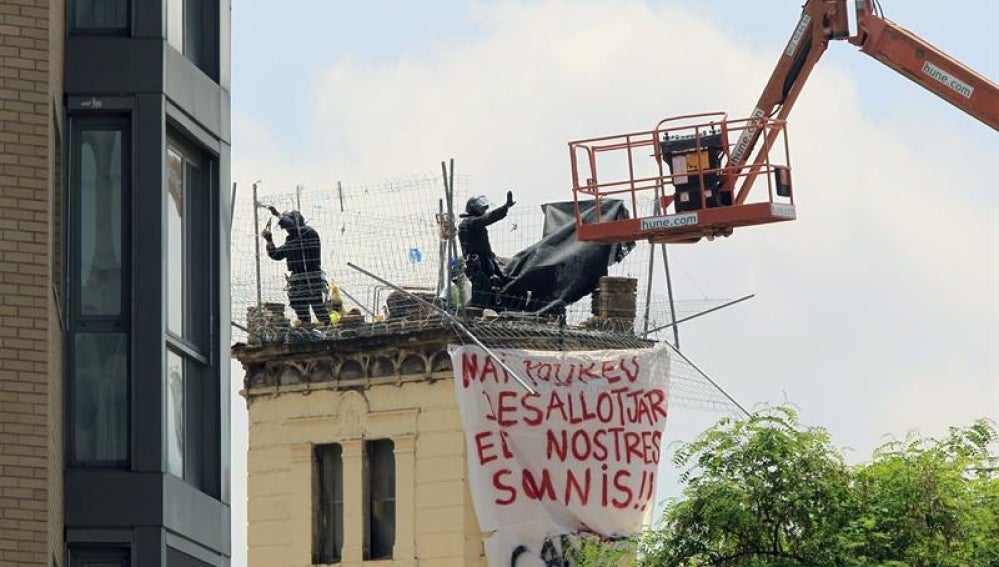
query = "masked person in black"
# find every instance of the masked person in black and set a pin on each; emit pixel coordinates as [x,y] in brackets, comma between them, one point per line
[302,251]
[481,267]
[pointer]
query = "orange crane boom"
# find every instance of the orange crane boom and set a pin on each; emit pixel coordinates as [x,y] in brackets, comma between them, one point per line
[711,176]
[926,65]
[825,20]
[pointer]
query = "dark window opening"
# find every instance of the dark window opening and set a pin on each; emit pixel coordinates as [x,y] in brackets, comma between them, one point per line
[327,504]
[380,536]
[99,16]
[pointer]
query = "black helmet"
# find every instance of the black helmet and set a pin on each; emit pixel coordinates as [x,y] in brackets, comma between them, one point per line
[476,206]
[291,219]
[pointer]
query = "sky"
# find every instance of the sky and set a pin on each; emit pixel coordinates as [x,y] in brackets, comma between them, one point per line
[875,313]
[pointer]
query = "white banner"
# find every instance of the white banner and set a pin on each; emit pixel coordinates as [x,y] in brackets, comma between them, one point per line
[579,456]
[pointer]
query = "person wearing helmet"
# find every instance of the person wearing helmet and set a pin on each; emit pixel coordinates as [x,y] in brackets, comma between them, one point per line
[481,267]
[302,252]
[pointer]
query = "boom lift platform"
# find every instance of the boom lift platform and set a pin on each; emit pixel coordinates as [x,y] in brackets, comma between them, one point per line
[705,165]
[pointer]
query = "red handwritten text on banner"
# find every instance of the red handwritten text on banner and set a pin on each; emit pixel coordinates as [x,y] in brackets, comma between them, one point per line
[579,455]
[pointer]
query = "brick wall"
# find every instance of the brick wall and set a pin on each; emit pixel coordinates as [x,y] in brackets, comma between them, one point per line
[30,343]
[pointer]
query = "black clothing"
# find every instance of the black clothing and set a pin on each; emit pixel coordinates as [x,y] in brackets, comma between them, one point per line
[307,290]
[301,249]
[473,233]
[480,262]
[306,285]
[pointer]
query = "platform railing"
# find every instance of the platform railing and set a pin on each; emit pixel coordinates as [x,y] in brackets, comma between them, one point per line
[652,179]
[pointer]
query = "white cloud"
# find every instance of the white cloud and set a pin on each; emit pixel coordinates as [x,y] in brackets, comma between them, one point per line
[863,304]
[892,219]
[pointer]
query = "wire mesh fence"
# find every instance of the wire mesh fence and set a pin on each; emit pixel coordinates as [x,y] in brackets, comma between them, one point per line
[297,285]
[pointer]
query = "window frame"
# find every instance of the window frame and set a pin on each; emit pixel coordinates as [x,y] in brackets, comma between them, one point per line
[198,350]
[74,294]
[370,522]
[336,506]
[76,321]
[204,52]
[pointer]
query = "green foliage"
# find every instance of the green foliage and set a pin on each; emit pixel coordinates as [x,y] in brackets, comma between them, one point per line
[768,492]
[595,552]
[759,491]
[929,502]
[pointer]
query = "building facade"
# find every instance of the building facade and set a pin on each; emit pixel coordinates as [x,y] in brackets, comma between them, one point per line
[114,309]
[357,453]
[357,450]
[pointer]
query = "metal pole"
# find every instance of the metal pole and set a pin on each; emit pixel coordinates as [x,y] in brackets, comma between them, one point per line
[449,247]
[454,321]
[359,304]
[256,238]
[452,248]
[702,313]
[669,293]
[648,289]
[339,191]
[242,328]
[441,248]
[450,186]
[298,198]
[652,263]
[708,378]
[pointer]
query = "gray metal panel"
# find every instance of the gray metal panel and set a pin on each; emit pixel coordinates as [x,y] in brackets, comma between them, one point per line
[194,515]
[187,126]
[225,130]
[113,65]
[147,19]
[96,498]
[193,91]
[147,290]
[188,547]
[99,536]
[225,314]
[149,549]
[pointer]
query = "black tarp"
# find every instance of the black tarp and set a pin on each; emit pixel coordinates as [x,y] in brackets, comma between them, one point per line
[559,266]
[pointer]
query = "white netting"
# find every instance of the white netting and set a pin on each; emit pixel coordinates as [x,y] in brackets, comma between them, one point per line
[392,231]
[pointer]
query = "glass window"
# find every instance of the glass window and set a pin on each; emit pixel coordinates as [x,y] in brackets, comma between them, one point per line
[93,556]
[187,206]
[100,398]
[100,15]
[97,368]
[100,222]
[381,499]
[327,505]
[175,24]
[193,30]
[175,208]
[193,410]
[175,414]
